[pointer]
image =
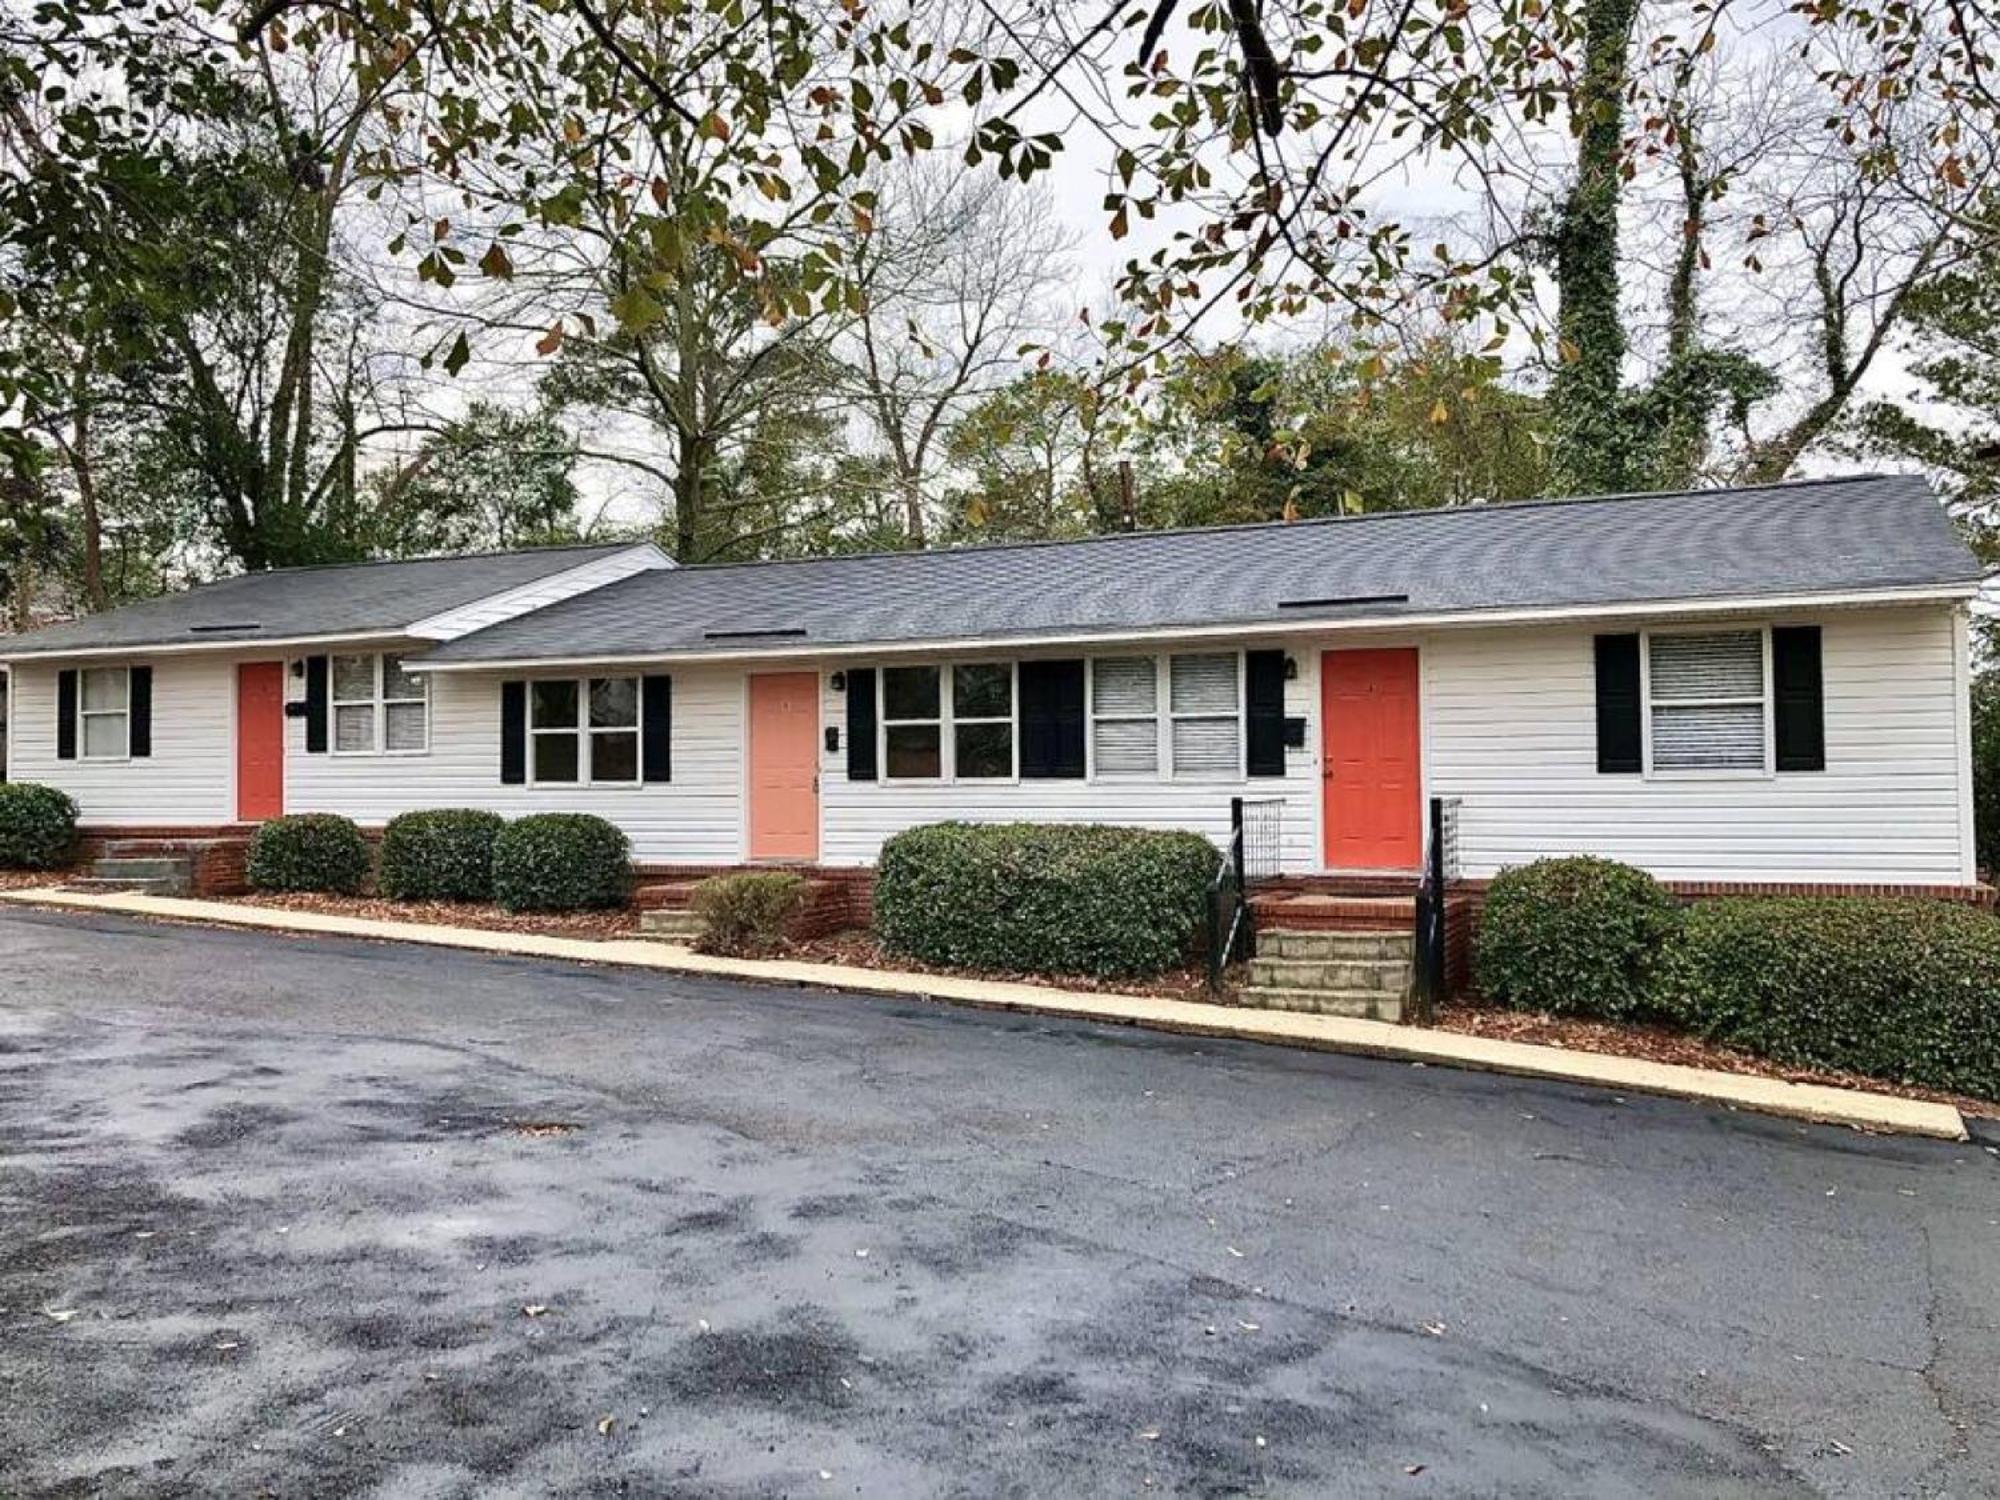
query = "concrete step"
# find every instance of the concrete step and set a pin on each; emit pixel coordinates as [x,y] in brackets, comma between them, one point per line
[134,867]
[1390,975]
[670,922]
[1335,947]
[107,885]
[1361,1005]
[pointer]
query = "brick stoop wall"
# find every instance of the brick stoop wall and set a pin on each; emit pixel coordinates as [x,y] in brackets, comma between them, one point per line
[836,899]
[215,855]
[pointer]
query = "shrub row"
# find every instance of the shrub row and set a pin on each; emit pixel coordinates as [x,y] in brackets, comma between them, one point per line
[1043,898]
[1897,989]
[37,827]
[546,862]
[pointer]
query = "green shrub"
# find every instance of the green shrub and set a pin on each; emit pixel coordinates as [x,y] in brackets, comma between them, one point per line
[37,827]
[561,862]
[747,913]
[308,852]
[1044,898]
[442,855]
[1575,936]
[1904,990]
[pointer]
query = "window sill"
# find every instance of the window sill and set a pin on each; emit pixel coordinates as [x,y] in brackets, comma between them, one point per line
[1718,773]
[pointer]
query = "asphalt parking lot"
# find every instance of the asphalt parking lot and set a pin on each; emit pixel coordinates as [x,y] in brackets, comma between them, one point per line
[320,1217]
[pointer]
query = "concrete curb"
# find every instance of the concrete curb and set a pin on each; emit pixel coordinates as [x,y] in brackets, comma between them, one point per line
[1799,1101]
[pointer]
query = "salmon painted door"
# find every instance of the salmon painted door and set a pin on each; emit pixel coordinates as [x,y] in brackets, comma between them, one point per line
[784,766]
[260,740]
[1370,767]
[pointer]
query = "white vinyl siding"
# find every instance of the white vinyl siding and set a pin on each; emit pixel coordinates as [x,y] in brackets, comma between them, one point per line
[189,780]
[1510,729]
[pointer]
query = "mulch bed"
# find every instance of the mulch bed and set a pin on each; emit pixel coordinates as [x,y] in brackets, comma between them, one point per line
[19,880]
[580,924]
[1661,1045]
[859,949]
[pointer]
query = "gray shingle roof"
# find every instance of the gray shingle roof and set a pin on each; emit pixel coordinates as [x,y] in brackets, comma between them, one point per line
[1845,535]
[349,599]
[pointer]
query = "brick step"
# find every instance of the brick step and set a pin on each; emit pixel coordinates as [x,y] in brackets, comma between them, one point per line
[670,922]
[1335,946]
[1360,1005]
[1318,912]
[1387,975]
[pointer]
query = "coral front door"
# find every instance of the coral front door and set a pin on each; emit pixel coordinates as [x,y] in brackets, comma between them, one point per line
[784,766]
[260,740]
[1370,767]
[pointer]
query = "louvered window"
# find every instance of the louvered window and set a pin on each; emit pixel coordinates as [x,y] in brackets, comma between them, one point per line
[1707,700]
[1206,707]
[1125,715]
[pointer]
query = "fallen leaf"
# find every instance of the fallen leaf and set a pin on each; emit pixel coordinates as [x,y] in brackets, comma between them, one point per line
[1247,1327]
[228,1344]
[1234,1251]
[63,1316]
[1413,1468]
[1435,1330]
[1150,1435]
[534,1309]
[605,1424]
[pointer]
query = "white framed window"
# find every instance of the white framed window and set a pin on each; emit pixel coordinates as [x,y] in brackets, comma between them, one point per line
[104,713]
[912,724]
[1708,701]
[378,707]
[1125,715]
[584,731]
[1205,714]
[982,721]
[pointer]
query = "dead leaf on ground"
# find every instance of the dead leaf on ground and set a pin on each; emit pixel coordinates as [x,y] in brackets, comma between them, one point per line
[535,1309]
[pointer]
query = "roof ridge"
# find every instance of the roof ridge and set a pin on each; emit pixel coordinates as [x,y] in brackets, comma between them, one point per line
[1406,513]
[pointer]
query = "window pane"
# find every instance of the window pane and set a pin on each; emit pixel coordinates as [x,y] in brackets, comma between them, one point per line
[1715,737]
[985,749]
[396,683]
[1205,747]
[104,735]
[1125,685]
[354,728]
[404,729]
[909,692]
[555,706]
[614,702]
[104,687]
[982,692]
[1713,664]
[353,678]
[913,751]
[614,757]
[1204,684]
[555,757]
[1128,747]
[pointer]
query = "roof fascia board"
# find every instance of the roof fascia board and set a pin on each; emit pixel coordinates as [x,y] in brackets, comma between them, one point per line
[450,624]
[203,648]
[1306,625]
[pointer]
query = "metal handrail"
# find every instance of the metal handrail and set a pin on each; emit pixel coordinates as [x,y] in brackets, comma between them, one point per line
[1228,890]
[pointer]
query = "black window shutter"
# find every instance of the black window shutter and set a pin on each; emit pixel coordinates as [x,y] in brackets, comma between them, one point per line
[860,723]
[659,736]
[1799,698]
[141,744]
[1264,712]
[66,715]
[316,705]
[513,733]
[1618,709]
[1052,720]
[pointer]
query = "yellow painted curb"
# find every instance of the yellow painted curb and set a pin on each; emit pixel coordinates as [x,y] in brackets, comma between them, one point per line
[1801,1101]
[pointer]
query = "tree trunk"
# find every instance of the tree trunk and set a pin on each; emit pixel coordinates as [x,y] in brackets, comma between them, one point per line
[94,596]
[913,510]
[1592,447]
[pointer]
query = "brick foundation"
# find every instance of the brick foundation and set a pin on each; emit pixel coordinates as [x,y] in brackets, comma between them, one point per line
[215,854]
[836,898]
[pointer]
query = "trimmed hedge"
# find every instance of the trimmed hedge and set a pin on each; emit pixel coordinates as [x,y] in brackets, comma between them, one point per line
[308,852]
[37,827]
[1903,990]
[561,862]
[441,855]
[1575,936]
[747,913]
[1044,898]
